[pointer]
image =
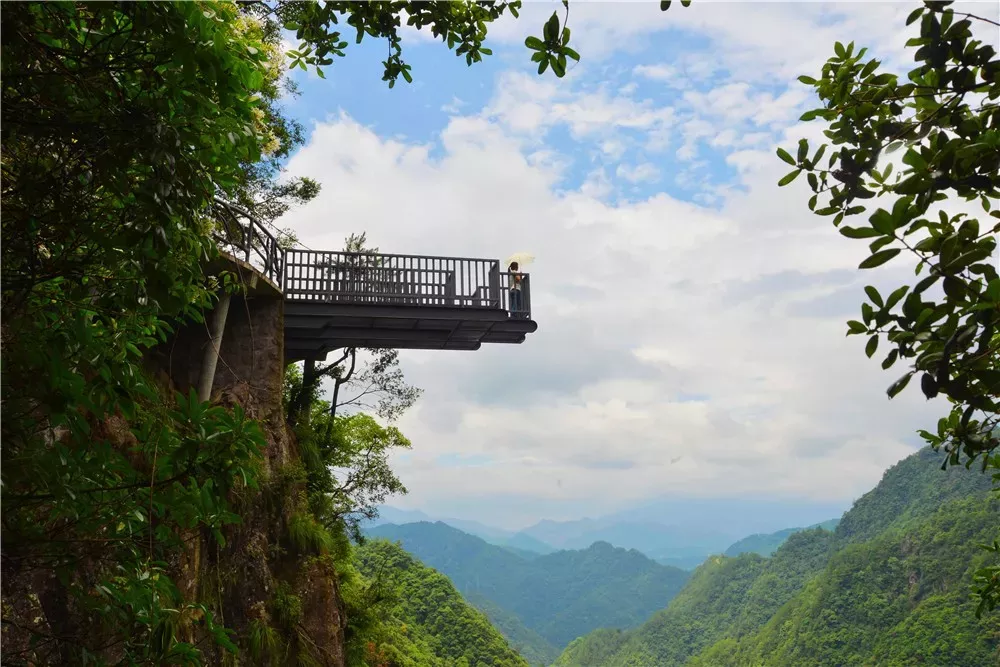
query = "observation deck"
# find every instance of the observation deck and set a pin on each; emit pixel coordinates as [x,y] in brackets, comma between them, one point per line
[337,299]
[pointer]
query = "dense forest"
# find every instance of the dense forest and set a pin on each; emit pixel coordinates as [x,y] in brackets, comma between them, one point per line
[766,544]
[424,621]
[150,520]
[890,585]
[161,507]
[557,596]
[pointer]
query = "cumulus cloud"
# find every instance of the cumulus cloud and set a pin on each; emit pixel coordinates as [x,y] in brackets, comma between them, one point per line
[682,347]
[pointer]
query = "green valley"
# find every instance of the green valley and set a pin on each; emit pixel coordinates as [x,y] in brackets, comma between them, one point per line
[889,586]
[421,619]
[559,596]
[268,267]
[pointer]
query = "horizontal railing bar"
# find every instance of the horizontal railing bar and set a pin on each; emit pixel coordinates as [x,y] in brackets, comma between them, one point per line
[382,254]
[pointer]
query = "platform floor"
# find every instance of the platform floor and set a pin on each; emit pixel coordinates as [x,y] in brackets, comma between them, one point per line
[313,329]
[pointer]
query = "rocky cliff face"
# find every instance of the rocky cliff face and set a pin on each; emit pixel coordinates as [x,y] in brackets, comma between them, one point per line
[261,584]
[277,593]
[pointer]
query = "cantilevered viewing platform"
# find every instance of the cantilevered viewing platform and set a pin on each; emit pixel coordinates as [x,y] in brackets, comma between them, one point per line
[336,299]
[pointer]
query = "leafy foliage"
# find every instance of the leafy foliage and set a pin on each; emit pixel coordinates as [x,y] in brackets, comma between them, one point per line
[559,596]
[124,126]
[461,25]
[529,644]
[886,588]
[346,460]
[422,618]
[910,489]
[896,599]
[945,119]
[765,544]
[108,172]
[724,596]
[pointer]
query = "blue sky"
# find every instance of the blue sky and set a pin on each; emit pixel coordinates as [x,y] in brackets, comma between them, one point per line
[691,314]
[445,86]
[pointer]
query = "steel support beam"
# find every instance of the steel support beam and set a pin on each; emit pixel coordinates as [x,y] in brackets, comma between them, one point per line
[211,358]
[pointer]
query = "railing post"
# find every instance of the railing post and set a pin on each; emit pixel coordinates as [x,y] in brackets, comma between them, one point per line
[526,296]
[449,289]
[494,285]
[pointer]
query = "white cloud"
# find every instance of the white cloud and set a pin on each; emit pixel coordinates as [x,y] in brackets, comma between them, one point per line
[640,173]
[666,328]
[656,72]
[526,104]
[454,106]
[635,311]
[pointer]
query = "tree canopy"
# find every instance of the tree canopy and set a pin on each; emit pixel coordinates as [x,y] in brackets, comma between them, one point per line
[124,125]
[928,145]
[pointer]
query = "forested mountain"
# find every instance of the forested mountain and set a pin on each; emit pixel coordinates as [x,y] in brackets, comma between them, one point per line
[559,596]
[890,586]
[766,544]
[425,621]
[724,594]
[681,532]
[531,645]
[519,541]
[682,545]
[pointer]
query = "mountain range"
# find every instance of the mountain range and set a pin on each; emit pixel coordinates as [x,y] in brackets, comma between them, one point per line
[766,544]
[671,532]
[553,597]
[886,584]
[890,586]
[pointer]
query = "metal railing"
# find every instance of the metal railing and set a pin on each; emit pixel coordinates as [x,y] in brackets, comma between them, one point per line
[416,280]
[371,278]
[244,237]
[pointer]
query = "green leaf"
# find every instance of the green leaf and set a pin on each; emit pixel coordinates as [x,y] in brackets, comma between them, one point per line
[895,297]
[840,50]
[881,220]
[875,297]
[534,44]
[789,177]
[878,244]
[552,28]
[859,232]
[784,155]
[993,290]
[869,68]
[808,80]
[914,15]
[558,68]
[929,385]
[803,151]
[872,346]
[855,327]
[914,159]
[899,385]
[819,154]
[879,258]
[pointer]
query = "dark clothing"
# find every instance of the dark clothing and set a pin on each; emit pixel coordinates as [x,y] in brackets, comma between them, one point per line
[515,302]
